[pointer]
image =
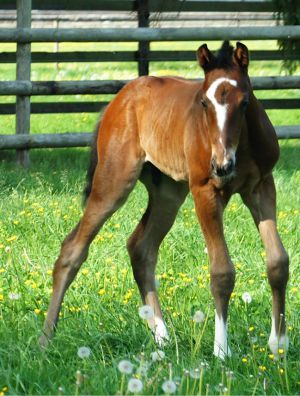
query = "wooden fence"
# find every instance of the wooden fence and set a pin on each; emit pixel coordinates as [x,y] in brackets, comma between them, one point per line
[24,35]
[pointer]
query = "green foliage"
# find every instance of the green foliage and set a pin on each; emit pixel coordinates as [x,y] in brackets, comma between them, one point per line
[288,12]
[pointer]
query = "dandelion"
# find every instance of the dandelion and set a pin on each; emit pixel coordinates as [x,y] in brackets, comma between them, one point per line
[262,368]
[14,296]
[135,385]
[101,292]
[84,352]
[271,356]
[169,386]
[125,367]
[244,360]
[195,374]
[157,355]
[198,317]
[37,311]
[246,297]
[146,312]
[281,351]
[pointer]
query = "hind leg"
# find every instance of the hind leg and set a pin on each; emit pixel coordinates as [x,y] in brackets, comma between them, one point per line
[165,199]
[262,204]
[112,183]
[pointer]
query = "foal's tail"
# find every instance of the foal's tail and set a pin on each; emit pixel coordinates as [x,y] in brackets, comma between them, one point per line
[92,166]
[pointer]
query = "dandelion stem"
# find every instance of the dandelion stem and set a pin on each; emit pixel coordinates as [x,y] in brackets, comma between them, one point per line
[122,384]
[201,382]
[199,339]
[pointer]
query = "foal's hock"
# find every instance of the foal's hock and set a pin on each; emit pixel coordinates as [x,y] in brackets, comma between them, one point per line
[212,138]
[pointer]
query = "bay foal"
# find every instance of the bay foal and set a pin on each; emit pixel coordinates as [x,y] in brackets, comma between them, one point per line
[212,138]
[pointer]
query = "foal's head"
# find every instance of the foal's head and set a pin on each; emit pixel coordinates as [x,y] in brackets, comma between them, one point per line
[224,97]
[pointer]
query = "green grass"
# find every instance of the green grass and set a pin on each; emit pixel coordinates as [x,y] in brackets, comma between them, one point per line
[39,207]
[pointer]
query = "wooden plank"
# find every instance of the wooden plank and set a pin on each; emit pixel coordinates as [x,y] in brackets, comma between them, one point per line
[23,73]
[113,86]
[45,140]
[57,140]
[95,107]
[131,56]
[150,34]
[154,5]
[56,107]
[144,46]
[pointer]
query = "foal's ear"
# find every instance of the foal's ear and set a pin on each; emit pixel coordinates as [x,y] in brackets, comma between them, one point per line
[205,58]
[241,55]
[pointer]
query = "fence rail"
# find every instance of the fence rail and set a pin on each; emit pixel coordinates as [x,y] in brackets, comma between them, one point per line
[62,140]
[149,34]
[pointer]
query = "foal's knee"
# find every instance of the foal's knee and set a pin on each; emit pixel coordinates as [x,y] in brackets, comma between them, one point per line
[222,282]
[278,270]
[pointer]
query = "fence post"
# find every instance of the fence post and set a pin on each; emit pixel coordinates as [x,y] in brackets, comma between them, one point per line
[23,73]
[144,46]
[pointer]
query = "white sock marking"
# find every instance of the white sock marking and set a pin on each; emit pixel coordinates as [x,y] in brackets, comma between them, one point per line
[221,348]
[220,109]
[161,335]
[276,343]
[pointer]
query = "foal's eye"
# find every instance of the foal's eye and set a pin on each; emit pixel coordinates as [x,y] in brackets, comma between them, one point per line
[244,104]
[204,103]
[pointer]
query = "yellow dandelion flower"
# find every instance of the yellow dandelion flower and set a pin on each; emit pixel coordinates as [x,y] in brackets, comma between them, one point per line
[12,238]
[262,349]
[251,281]
[238,265]
[281,351]
[294,289]
[33,285]
[244,360]
[16,222]
[5,389]
[117,225]
[2,270]
[1,297]
[271,356]
[281,371]
[233,294]
[2,246]
[101,292]
[262,368]
[37,311]
[66,217]
[49,272]
[290,328]
[251,328]
[263,254]
[85,271]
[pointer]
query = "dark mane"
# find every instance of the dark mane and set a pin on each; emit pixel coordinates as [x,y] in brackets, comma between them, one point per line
[223,59]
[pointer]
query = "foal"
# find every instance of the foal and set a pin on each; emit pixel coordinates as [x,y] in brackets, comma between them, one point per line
[212,138]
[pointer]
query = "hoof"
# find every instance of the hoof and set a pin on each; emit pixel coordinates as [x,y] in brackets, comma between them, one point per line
[279,346]
[222,353]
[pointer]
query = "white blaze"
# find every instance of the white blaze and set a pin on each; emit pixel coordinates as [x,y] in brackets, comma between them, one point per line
[220,109]
[221,348]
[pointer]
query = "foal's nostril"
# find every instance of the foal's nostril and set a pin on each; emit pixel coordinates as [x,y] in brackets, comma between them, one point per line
[223,170]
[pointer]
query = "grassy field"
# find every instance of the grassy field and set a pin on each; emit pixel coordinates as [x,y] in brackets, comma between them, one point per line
[38,208]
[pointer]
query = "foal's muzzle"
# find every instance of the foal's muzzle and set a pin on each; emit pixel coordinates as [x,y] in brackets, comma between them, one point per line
[226,169]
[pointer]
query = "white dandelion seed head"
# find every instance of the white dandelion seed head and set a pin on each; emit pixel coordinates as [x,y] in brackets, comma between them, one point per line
[157,355]
[14,296]
[84,352]
[135,385]
[195,373]
[146,312]
[143,369]
[198,317]
[169,386]
[246,297]
[125,367]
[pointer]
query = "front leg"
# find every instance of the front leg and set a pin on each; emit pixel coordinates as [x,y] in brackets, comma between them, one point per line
[262,205]
[209,208]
